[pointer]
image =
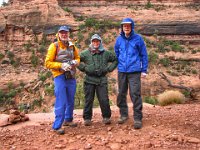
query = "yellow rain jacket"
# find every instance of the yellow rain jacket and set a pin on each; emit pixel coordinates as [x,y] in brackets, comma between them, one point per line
[50,62]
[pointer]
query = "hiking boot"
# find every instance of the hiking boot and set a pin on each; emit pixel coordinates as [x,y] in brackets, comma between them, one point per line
[60,131]
[106,121]
[137,124]
[122,120]
[70,124]
[87,122]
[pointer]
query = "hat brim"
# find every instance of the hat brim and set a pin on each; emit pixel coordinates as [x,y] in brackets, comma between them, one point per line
[63,30]
[127,22]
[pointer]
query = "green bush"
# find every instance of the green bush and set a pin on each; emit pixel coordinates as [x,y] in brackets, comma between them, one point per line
[153,57]
[67,9]
[34,59]
[10,54]
[149,4]
[37,103]
[27,46]
[151,100]
[186,93]
[42,49]
[100,24]
[79,97]
[1,56]
[43,76]
[80,37]
[49,90]
[165,62]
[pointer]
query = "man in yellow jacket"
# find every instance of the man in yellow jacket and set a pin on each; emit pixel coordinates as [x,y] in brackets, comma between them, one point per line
[63,58]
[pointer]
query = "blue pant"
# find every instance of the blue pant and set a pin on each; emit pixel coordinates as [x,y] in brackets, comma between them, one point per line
[65,90]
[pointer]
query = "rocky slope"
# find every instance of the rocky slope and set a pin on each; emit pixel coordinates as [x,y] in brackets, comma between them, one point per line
[25,28]
[22,28]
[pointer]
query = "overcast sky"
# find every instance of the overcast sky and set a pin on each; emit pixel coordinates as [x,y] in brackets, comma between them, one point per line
[1,1]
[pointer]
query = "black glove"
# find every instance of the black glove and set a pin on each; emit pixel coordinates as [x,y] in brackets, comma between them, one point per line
[98,72]
[105,71]
[89,69]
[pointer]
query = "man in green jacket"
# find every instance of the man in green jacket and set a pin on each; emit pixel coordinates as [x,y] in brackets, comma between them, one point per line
[96,62]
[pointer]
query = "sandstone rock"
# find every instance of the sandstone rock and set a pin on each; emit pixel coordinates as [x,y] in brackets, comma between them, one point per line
[15,112]
[193,140]
[14,118]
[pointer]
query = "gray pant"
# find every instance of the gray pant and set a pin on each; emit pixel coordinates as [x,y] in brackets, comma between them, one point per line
[102,95]
[133,81]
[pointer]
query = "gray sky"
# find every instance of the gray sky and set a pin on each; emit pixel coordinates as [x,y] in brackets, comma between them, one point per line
[1,1]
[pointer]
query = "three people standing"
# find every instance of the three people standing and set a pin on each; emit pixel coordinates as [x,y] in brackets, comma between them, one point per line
[132,61]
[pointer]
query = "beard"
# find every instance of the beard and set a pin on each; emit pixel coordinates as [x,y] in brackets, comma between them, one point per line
[64,40]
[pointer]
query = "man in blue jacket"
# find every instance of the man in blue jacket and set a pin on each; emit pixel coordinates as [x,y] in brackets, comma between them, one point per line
[132,57]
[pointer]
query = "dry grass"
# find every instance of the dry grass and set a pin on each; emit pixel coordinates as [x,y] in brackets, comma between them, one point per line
[171,97]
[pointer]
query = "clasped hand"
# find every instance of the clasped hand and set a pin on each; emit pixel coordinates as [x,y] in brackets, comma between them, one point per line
[66,66]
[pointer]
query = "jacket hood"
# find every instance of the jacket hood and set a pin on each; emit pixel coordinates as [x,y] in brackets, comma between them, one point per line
[96,36]
[127,20]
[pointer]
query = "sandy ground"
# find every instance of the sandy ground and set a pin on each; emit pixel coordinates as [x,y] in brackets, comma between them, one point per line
[174,127]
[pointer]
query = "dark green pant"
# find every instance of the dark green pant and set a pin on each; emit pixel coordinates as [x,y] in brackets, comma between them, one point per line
[102,95]
[133,82]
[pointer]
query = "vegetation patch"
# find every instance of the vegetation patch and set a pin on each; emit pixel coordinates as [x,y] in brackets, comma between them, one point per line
[171,97]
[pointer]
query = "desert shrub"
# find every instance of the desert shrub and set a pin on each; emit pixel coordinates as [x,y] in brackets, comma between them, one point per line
[175,46]
[27,46]
[6,98]
[153,57]
[67,9]
[149,43]
[80,37]
[149,4]
[5,4]
[80,18]
[186,93]
[100,24]
[79,97]
[10,54]
[49,90]
[161,48]
[42,77]
[165,62]
[44,41]
[194,71]
[15,62]
[37,103]
[42,49]
[1,56]
[34,59]
[151,100]
[170,97]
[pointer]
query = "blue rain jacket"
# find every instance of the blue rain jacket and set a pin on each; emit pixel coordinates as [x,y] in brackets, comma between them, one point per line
[131,52]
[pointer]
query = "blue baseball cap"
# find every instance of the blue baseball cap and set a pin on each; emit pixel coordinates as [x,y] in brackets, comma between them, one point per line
[64,28]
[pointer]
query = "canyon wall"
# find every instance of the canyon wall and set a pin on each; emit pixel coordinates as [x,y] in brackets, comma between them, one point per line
[23,20]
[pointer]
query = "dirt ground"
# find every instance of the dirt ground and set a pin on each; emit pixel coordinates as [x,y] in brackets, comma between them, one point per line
[174,127]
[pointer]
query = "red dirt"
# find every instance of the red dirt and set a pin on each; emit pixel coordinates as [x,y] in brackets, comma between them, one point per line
[171,127]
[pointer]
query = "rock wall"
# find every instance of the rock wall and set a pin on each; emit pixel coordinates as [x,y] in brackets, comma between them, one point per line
[118,2]
[22,20]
